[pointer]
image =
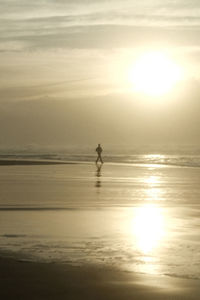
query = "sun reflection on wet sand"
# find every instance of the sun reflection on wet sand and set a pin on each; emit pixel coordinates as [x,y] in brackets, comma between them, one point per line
[152,181]
[147,234]
[148,228]
[154,194]
[153,191]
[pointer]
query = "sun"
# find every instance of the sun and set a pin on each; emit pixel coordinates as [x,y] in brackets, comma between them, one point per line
[154,74]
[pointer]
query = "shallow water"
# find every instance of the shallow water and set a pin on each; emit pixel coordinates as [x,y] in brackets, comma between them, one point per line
[142,218]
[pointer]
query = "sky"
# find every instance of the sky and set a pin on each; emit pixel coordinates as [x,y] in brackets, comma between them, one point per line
[64,69]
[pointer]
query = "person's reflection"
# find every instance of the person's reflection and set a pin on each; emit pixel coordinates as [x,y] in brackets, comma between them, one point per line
[98,175]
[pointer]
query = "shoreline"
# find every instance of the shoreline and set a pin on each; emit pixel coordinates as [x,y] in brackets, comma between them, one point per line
[20,279]
[37,162]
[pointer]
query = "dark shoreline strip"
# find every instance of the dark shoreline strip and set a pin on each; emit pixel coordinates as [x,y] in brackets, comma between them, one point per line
[16,162]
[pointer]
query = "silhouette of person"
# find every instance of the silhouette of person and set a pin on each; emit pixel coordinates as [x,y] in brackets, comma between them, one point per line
[99,151]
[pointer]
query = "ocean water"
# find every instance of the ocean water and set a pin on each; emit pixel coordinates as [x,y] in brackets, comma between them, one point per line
[139,213]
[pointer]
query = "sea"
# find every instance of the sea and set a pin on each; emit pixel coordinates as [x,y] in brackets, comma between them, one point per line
[139,212]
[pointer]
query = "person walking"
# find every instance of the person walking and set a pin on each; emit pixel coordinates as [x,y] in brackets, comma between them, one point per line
[99,150]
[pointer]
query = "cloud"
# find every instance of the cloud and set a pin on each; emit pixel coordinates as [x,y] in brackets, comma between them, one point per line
[95,24]
[100,37]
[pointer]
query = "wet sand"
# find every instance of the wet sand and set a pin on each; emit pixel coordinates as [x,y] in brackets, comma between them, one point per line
[78,214]
[27,280]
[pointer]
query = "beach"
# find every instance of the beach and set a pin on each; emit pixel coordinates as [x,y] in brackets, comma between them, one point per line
[81,231]
[100,150]
[22,280]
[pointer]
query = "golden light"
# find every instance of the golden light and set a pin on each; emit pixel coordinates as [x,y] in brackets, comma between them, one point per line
[154,192]
[152,180]
[148,228]
[154,74]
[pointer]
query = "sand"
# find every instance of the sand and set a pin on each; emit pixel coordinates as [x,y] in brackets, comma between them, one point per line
[29,280]
[43,207]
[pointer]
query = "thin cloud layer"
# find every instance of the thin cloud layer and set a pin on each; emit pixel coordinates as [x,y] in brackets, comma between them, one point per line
[60,24]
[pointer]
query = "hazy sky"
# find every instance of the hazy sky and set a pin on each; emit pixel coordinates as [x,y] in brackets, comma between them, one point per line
[64,68]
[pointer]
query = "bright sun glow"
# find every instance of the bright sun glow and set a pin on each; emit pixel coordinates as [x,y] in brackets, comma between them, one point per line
[154,74]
